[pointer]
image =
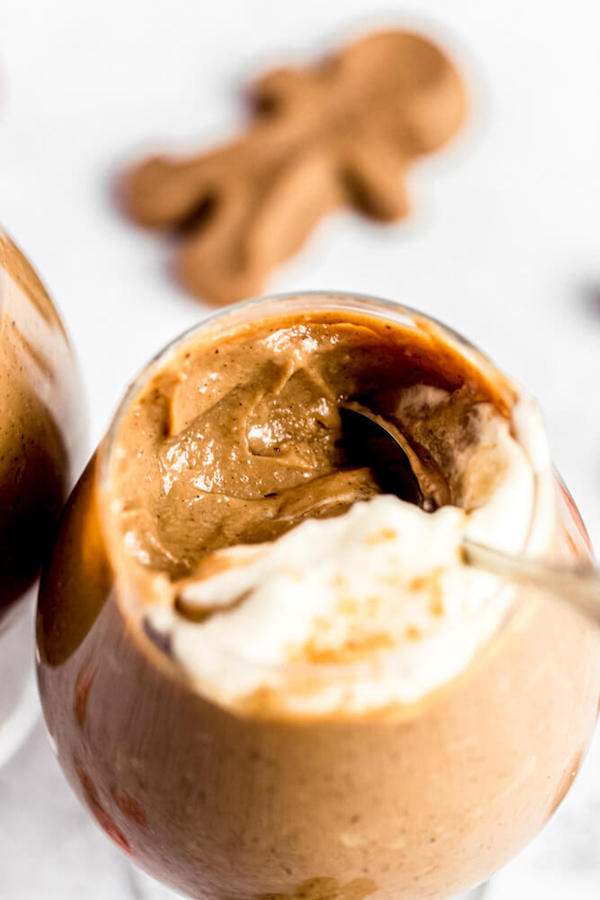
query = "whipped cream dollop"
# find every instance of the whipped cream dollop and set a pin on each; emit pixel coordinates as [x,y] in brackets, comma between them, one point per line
[366,610]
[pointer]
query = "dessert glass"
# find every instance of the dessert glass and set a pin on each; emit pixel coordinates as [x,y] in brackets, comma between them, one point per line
[424,800]
[40,436]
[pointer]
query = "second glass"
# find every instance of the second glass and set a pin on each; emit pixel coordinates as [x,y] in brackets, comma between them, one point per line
[41,431]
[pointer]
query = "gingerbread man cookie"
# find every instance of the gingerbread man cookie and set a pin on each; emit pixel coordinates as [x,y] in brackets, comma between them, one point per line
[341,133]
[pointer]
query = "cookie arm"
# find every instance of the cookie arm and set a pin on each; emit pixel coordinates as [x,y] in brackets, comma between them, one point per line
[163,192]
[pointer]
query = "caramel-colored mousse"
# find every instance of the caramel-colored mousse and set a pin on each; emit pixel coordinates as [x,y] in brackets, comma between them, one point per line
[238,441]
[236,437]
[40,424]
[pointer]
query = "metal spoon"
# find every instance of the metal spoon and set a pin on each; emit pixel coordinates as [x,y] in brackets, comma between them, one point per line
[378,444]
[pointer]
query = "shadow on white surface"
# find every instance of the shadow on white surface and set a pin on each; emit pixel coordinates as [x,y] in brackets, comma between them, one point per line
[50,848]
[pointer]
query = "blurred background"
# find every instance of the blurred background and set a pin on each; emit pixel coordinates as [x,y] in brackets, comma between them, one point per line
[503,244]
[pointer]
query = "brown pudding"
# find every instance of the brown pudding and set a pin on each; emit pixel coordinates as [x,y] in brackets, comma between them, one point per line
[238,440]
[234,436]
[40,425]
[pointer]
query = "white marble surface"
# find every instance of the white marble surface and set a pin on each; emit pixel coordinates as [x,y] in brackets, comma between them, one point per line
[503,244]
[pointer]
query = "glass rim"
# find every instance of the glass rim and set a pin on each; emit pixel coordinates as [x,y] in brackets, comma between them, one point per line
[332,299]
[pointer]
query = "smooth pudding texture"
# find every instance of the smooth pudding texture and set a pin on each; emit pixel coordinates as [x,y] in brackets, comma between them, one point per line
[265,678]
[235,444]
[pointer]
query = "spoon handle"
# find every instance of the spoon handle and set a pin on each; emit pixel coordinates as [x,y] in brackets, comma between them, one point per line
[579,586]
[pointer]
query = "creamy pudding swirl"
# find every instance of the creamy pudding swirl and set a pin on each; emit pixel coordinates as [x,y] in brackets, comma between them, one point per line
[261,543]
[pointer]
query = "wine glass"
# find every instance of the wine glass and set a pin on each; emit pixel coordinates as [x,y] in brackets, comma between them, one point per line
[426,799]
[40,437]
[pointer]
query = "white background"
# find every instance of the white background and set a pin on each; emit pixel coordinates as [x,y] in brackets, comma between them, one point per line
[504,244]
